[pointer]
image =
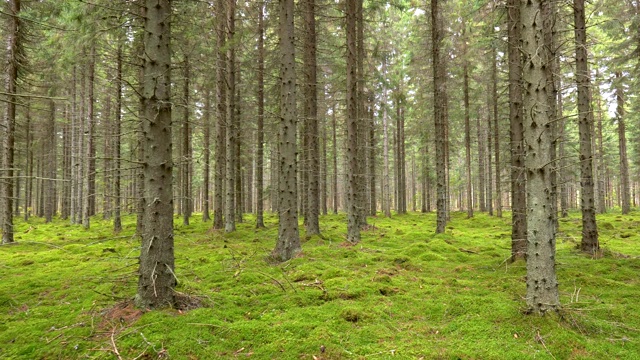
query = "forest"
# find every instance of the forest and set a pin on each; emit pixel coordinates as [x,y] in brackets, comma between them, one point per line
[319,179]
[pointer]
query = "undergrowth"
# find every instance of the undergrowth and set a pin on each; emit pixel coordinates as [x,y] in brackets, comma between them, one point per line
[403,292]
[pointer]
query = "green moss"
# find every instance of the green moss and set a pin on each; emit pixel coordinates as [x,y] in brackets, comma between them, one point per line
[403,291]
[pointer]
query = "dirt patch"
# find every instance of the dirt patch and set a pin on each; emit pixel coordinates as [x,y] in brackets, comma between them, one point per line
[123,314]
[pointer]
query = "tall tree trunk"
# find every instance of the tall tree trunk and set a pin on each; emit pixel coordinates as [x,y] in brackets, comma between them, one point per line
[625,195]
[221,121]
[232,131]
[362,124]
[117,152]
[467,125]
[288,244]
[482,169]
[353,200]
[206,173]
[548,8]
[439,111]
[518,193]
[90,151]
[562,173]
[187,201]
[373,202]
[156,274]
[28,187]
[602,169]
[334,128]
[590,243]
[542,286]
[12,71]
[260,131]
[496,128]
[311,117]
[386,191]
[50,163]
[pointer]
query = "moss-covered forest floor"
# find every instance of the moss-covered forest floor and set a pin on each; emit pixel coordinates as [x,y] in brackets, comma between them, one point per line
[402,293]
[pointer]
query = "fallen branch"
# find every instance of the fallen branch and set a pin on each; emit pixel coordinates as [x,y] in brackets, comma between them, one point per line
[468,251]
[113,343]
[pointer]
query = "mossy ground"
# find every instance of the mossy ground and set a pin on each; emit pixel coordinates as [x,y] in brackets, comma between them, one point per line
[403,292]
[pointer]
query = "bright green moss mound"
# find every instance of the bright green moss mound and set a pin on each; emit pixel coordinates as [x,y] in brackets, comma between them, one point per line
[403,292]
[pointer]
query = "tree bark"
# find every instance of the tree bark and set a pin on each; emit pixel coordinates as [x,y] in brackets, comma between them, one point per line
[467,124]
[221,121]
[516,130]
[288,244]
[117,181]
[589,243]
[439,111]
[157,278]
[353,200]
[206,173]
[542,286]
[231,156]
[260,130]
[12,72]
[311,117]
[185,164]
[625,194]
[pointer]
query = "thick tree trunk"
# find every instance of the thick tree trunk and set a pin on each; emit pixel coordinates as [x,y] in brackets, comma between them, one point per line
[542,286]
[518,176]
[353,196]
[590,243]
[89,176]
[157,276]
[288,244]
[625,194]
[439,111]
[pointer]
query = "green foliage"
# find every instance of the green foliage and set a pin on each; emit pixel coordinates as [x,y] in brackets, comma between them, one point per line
[402,291]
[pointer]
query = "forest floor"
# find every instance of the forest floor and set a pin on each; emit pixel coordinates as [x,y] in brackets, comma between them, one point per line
[403,292]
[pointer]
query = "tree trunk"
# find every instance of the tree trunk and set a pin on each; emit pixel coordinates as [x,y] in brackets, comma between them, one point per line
[386,191]
[467,125]
[590,243]
[353,200]
[311,117]
[373,202]
[157,276]
[482,169]
[625,195]
[206,173]
[185,164]
[231,156]
[12,72]
[117,153]
[221,121]
[89,174]
[542,286]
[50,163]
[518,176]
[496,128]
[288,244]
[334,145]
[260,131]
[439,108]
